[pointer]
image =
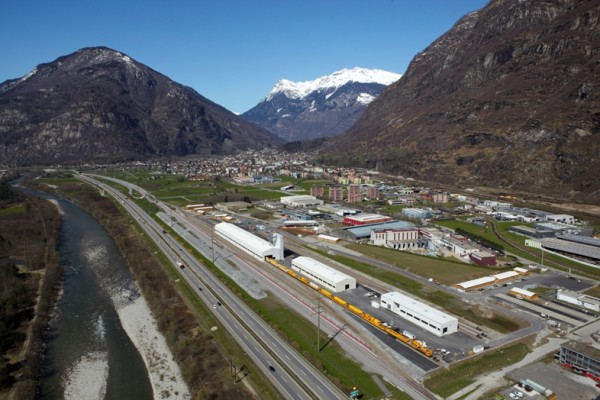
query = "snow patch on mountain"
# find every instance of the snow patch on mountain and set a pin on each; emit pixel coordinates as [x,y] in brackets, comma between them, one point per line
[365,98]
[298,90]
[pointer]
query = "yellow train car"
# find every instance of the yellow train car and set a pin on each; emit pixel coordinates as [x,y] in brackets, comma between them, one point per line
[415,344]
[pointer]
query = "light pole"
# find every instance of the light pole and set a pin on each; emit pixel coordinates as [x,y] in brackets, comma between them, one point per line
[318,312]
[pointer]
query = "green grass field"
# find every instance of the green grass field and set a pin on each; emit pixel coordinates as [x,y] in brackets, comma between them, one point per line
[13,210]
[444,271]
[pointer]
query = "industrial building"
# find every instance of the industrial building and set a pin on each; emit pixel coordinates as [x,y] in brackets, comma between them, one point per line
[363,232]
[400,239]
[233,206]
[420,314]
[475,284]
[459,245]
[564,218]
[581,300]
[526,294]
[301,201]
[480,283]
[364,219]
[483,258]
[251,244]
[323,275]
[532,232]
[582,358]
[416,213]
[581,249]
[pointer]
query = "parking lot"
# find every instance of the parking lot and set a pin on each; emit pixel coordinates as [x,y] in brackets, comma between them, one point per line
[456,345]
[560,380]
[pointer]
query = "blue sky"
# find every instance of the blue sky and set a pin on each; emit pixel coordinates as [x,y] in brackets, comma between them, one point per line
[230,51]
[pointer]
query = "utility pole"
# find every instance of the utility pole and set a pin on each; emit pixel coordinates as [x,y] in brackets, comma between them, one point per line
[212,244]
[542,262]
[318,312]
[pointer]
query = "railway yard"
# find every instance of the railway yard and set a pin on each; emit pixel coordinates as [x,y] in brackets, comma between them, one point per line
[404,349]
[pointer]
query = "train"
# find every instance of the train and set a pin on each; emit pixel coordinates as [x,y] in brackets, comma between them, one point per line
[409,341]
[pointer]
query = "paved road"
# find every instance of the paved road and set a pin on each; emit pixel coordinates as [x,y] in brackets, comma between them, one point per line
[257,339]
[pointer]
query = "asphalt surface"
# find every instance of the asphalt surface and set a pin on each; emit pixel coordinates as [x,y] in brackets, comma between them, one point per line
[276,359]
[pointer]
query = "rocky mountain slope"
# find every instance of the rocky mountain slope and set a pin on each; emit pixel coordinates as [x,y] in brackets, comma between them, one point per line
[100,105]
[323,107]
[509,98]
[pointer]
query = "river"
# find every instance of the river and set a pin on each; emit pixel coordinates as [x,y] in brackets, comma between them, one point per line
[88,353]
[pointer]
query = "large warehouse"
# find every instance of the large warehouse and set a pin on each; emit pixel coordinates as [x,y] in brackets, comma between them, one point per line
[420,314]
[250,243]
[301,201]
[364,219]
[323,275]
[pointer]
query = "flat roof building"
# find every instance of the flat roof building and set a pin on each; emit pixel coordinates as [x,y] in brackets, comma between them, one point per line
[582,358]
[506,276]
[420,314]
[362,232]
[475,284]
[301,201]
[233,206]
[483,258]
[417,213]
[570,247]
[323,275]
[364,219]
[400,239]
[581,300]
[251,244]
[526,294]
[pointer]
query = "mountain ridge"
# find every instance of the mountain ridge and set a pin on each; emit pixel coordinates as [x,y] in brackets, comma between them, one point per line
[318,108]
[98,104]
[507,97]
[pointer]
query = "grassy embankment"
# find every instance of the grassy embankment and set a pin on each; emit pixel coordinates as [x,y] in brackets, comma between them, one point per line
[295,329]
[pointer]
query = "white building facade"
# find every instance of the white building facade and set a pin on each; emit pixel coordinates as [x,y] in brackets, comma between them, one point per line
[301,201]
[251,244]
[431,319]
[400,239]
[323,275]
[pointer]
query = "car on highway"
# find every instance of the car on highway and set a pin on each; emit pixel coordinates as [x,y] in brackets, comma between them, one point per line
[271,368]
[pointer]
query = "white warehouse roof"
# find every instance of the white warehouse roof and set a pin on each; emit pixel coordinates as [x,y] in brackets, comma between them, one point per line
[231,230]
[434,314]
[486,280]
[506,275]
[318,268]
[523,292]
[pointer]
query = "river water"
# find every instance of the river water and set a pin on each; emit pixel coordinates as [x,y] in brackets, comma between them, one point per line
[88,354]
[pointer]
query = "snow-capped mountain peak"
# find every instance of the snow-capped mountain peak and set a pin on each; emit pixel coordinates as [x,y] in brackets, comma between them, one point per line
[297,90]
[319,108]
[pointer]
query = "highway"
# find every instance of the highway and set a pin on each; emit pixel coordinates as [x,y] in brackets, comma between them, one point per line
[374,359]
[291,374]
